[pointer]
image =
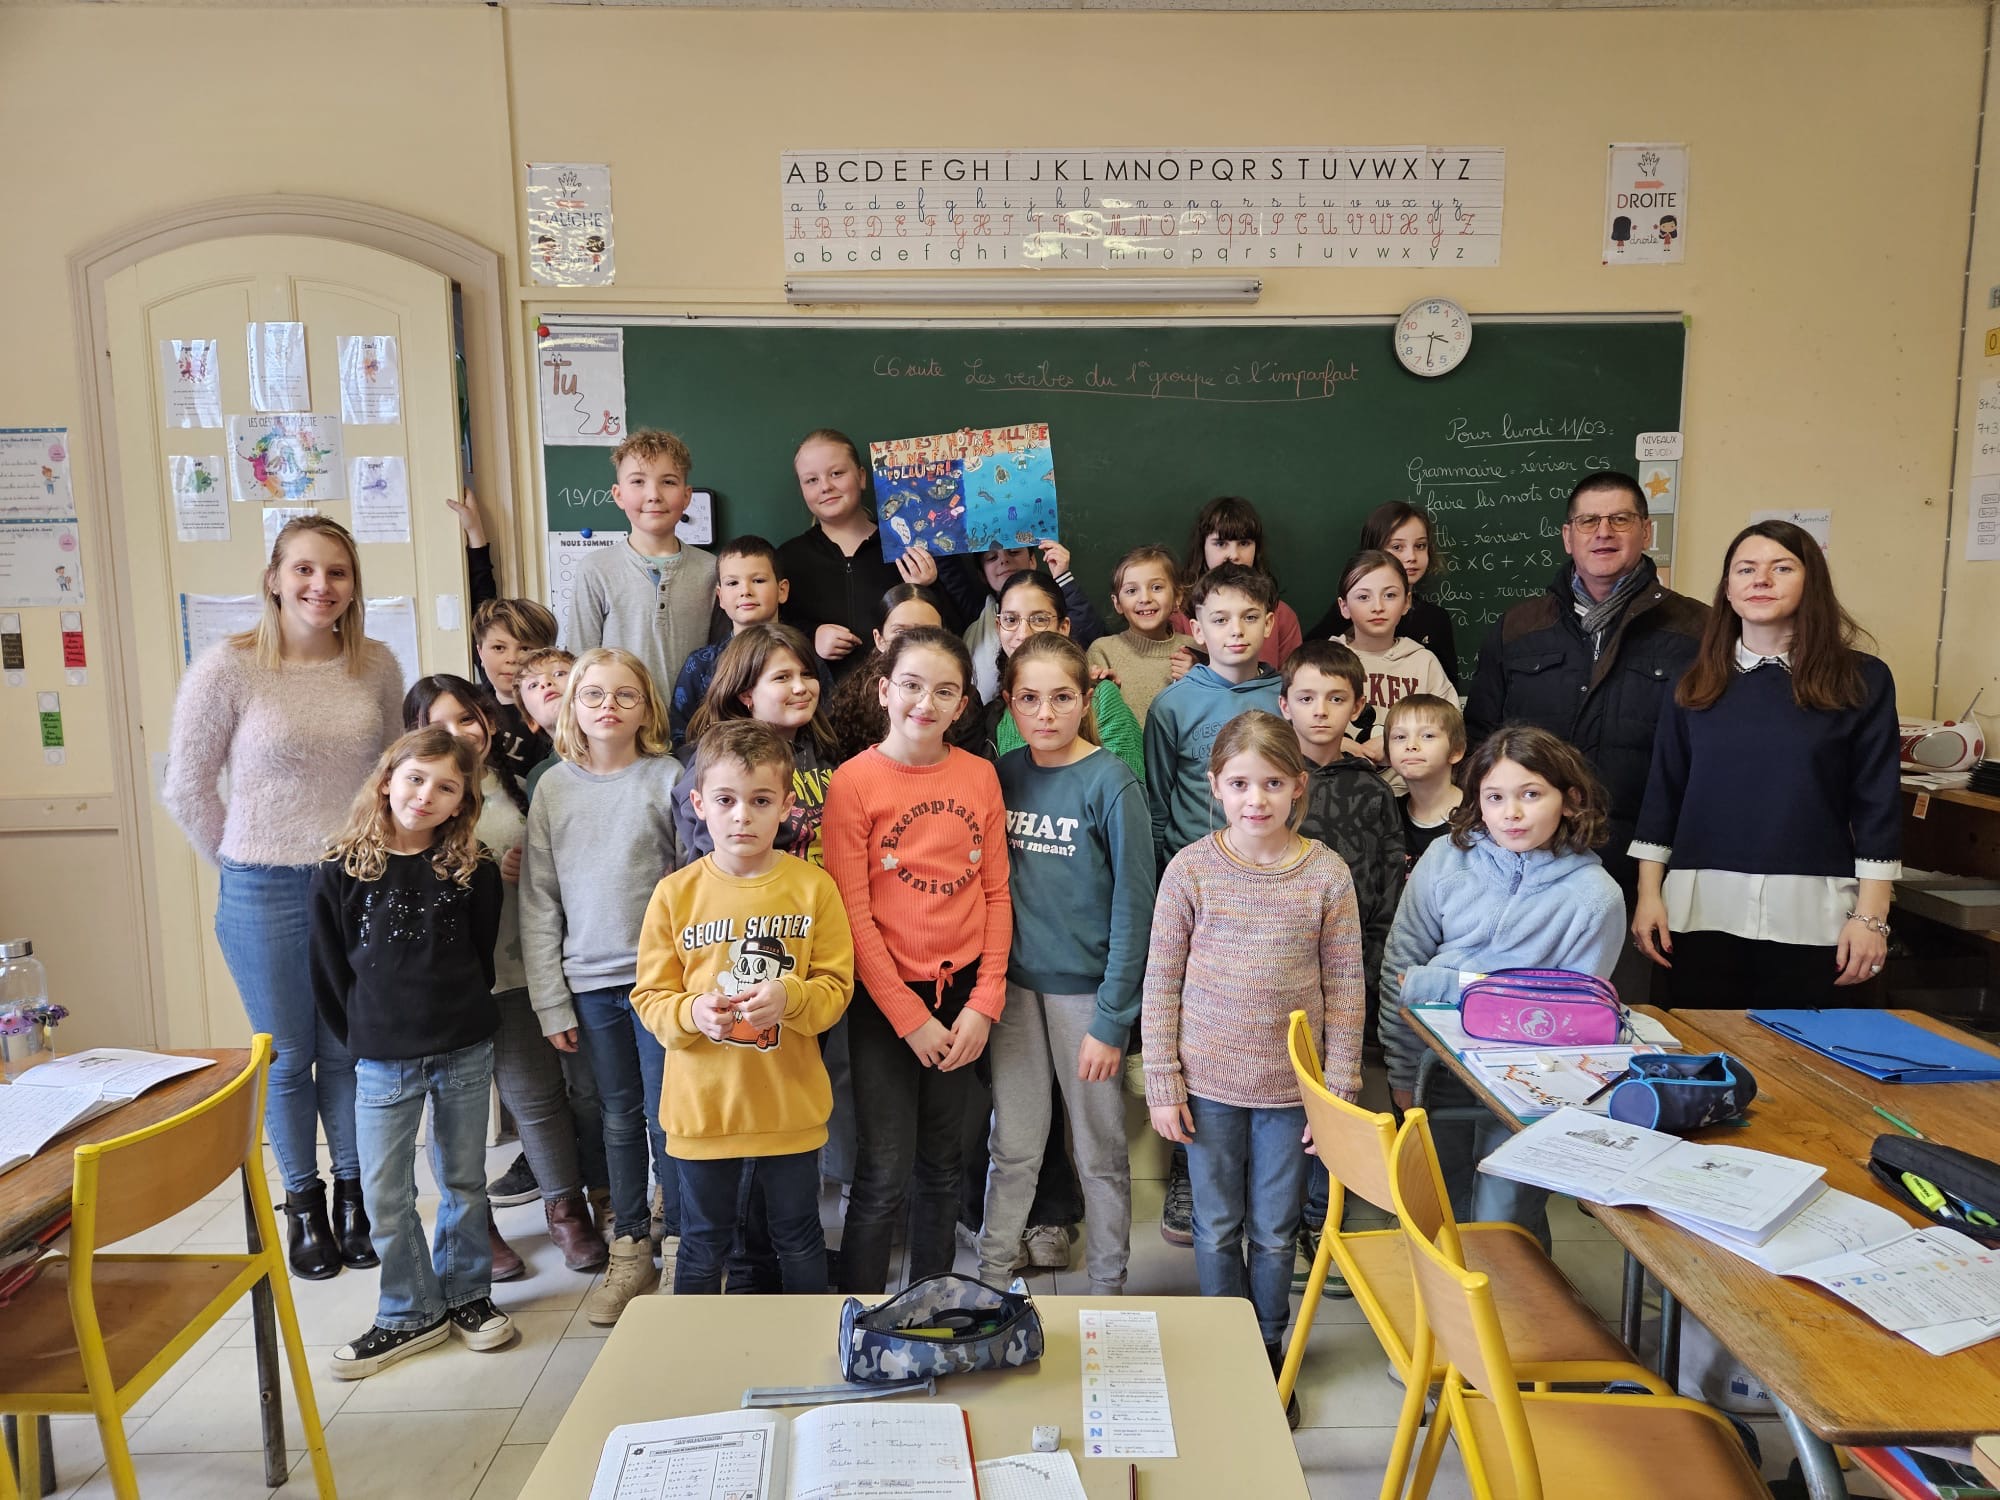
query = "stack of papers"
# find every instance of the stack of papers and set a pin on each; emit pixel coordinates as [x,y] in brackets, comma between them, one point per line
[64,1093]
[1539,1082]
[1721,1193]
[1937,1288]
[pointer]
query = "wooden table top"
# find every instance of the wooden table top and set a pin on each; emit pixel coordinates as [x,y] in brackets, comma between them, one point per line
[1850,1381]
[682,1356]
[37,1192]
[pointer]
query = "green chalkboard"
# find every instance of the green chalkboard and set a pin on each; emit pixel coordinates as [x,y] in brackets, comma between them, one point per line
[1314,422]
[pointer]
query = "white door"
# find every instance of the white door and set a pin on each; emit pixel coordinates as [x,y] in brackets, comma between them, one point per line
[214,290]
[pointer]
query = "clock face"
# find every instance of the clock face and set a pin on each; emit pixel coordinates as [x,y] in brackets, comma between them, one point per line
[1433,336]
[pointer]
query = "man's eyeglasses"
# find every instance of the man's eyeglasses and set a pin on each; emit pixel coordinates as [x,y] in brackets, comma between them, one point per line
[1620,522]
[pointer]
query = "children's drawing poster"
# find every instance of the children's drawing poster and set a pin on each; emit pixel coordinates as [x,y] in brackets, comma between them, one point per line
[569,224]
[191,382]
[1645,206]
[961,492]
[380,488]
[285,458]
[371,379]
[278,366]
[41,551]
[201,508]
[582,381]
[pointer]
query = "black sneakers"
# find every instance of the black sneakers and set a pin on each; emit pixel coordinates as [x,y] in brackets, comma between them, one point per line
[1177,1215]
[480,1324]
[515,1185]
[381,1347]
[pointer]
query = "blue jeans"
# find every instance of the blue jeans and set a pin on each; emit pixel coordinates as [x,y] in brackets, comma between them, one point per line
[1248,1171]
[417,1290]
[627,1061]
[261,924]
[711,1192]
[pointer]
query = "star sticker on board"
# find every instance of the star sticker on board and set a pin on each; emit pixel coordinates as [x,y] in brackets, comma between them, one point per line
[1657,484]
[889,861]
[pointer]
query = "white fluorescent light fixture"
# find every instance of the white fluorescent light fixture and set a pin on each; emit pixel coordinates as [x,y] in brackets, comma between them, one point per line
[1025,289]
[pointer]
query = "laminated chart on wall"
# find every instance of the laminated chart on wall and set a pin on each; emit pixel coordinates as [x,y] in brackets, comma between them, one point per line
[48,708]
[208,618]
[961,492]
[371,379]
[199,485]
[580,374]
[76,660]
[289,458]
[1245,208]
[393,621]
[13,654]
[1645,205]
[380,488]
[41,548]
[190,383]
[1982,521]
[569,224]
[277,354]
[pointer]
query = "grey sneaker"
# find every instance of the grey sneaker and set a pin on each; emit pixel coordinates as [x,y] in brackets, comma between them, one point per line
[630,1274]
[1177,1215]
[1047,1246]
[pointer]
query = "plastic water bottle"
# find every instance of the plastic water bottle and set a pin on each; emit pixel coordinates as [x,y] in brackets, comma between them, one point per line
[24,991]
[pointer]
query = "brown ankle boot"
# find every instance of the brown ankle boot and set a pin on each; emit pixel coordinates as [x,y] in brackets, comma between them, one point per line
[506,1264]
[574,1234]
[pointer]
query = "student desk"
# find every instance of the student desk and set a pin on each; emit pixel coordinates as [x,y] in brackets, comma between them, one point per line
[681,1356]
[1837,1376]
[35,1199]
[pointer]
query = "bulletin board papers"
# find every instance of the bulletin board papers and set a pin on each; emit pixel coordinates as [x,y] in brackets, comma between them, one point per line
[190,383]
[1818,524]
[208,618]
[1224,207]
[961,492]
[276,519]
[286,459]
[34,473]
[381,491]
[582,383]
[278,366]
[1126,1413]
[393,622]
[1645,205]
[569,224]
[1982,522]
[41,554]
[371,379]
[201,501]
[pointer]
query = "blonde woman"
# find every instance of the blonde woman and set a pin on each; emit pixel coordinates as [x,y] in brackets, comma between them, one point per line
[295,710]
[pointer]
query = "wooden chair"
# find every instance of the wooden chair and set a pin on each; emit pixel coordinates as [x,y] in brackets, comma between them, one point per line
[1539,1444]
[93,1332]
[1559,1338]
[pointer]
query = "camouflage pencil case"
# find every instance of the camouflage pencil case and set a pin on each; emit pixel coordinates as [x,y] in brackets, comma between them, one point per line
[939,1326]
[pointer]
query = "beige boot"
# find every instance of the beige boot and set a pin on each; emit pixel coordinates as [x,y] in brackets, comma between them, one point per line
[631,1274]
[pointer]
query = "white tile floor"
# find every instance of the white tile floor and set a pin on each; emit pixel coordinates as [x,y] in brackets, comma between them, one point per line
[458,1425]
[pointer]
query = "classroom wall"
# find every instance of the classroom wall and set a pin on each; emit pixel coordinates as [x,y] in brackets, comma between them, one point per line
[1832,170]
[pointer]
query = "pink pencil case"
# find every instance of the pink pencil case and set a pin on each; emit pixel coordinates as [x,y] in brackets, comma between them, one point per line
[1541,1008]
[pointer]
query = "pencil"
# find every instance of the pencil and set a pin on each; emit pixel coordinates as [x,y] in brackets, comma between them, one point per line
[1131,1482]
[1901,1124]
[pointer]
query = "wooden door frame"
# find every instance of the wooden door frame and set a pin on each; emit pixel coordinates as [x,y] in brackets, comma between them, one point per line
[475,269]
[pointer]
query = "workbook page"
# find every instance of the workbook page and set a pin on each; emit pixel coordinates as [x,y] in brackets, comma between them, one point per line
[731,1455]
[910,1452]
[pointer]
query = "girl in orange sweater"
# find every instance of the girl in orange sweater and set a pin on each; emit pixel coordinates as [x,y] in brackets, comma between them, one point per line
[915,836]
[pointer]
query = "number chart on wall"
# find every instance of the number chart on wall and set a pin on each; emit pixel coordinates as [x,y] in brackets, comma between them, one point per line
[1316,423]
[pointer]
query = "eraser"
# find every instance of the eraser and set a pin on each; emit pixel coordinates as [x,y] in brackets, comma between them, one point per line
[1047,1439]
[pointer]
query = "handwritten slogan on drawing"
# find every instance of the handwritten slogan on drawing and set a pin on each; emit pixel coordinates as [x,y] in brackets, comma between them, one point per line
[1235,207]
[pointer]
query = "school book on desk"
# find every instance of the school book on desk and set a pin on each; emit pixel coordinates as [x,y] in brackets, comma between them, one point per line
[899,1452]
[1719,1192]
[64,1093]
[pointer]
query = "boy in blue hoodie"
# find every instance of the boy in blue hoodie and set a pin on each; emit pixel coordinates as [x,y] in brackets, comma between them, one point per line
[1231,608]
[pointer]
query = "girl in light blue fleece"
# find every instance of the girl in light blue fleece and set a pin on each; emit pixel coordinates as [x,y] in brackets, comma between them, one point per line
[1514,887]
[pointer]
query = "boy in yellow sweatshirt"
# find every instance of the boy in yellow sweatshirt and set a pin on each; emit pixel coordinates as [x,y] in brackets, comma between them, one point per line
[744,959]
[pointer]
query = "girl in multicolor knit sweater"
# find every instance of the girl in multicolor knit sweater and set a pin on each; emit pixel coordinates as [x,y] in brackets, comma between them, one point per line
[1250,923]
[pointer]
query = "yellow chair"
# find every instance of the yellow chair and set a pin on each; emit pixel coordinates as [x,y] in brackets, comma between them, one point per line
[1559,1338]
[1540,1445]
[93,1332]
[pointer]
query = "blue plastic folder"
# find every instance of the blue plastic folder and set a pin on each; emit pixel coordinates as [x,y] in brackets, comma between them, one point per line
[1882,1046]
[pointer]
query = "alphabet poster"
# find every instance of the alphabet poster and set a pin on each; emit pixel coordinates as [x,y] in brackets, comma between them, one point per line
[1645,206]
[581,376]
[569,224]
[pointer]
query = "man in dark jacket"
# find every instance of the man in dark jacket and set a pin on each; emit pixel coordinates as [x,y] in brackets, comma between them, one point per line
[1595,658]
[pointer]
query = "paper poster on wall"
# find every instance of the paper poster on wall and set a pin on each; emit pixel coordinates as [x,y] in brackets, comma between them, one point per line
[371,379]
[569,224]
[380,488]
[278,366]
[48,708]
[566,553]
[201,500]
[582,381]
[393,622]
[75,659]
[1982,528]
[34,473]
[13,656]
[959,492]
[1817,524]
[208,618]
[293,459]
[191,382]
[1645,205]
[276,518]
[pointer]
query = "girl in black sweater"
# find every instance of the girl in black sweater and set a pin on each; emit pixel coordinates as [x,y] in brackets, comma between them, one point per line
[404,914]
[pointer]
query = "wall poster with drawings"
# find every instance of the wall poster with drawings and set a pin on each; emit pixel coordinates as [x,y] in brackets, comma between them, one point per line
[581,377]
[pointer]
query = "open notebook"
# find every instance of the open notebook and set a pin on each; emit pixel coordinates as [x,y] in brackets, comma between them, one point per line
[62,1094]
[908,1452]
